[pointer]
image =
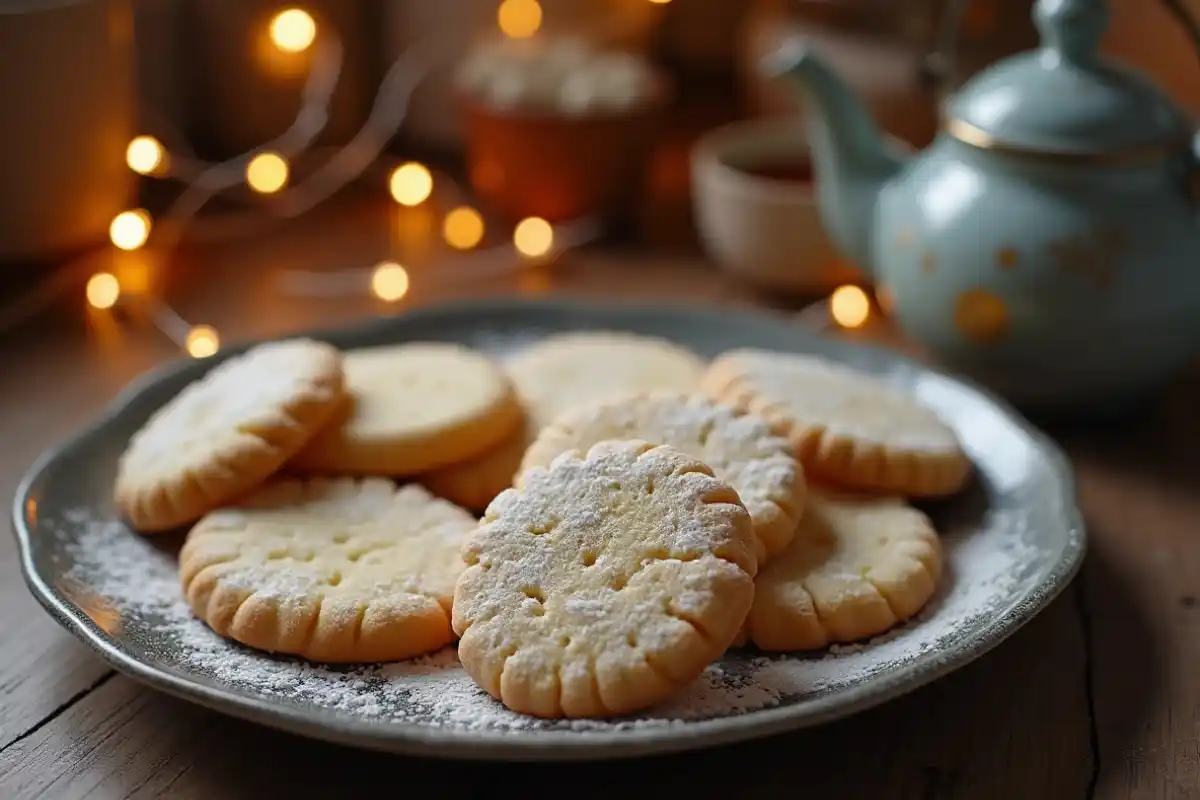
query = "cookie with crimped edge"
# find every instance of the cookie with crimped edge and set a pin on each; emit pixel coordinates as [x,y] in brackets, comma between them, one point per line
[609,580]
[846,427]
[227,432]
[414,407]
[331,570]
[555,373]
[739,447]
[858,566]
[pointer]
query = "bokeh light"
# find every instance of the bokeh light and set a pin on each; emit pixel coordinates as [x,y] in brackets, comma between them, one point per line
[410,184]
[267,172]
[202,341]
[389,281]
[533,237]
[129,230]
[519,19]
[144,155]
[103,290]
[293,30]
[849,306]
[463,228]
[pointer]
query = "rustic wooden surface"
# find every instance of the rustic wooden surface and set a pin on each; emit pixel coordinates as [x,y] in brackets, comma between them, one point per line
[1097,697]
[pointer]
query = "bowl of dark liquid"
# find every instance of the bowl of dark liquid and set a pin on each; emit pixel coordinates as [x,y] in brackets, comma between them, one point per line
[756,211]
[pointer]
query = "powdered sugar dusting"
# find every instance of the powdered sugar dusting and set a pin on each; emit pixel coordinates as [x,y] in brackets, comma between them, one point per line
[990,562]
[845,401]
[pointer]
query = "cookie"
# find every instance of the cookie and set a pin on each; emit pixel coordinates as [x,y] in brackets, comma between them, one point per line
[331,570]
[847,427]
[558,372]
[739,447]
[227,432]
[415,407]
[475,482]
[857,567]
[606,582]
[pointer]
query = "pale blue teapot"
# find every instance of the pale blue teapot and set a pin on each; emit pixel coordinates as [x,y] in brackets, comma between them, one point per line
[1047,243]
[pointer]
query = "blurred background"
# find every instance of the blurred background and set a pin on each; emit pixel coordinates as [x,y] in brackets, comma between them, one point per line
[487,133]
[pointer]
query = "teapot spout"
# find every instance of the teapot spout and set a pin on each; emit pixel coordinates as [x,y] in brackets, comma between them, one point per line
[852,160]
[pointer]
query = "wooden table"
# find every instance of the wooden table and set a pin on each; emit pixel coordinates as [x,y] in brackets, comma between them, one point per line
[1097,697]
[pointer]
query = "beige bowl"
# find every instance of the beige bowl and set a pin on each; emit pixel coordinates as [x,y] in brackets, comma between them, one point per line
[762,229]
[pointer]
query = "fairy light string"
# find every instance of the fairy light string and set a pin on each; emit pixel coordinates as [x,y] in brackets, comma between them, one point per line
[268,172]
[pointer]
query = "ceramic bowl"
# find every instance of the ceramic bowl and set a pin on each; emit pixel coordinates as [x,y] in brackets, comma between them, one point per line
[764,230]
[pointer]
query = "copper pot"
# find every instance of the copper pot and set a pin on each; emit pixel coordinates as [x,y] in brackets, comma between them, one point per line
[557,166]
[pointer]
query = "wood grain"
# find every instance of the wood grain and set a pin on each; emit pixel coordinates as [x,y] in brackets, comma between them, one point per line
[1096,697]
[1140,492]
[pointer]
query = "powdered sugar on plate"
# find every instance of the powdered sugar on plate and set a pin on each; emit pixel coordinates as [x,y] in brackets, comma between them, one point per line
[130,583]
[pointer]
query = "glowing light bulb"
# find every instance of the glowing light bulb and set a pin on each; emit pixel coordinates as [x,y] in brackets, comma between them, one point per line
[849,306]
[519,19]
[103,290]
[293,30]
[389,281]
[410,184]
[129,230]
[463,228]
[144,155]
[267,172]
[660,2]
[202,341]
[533,237]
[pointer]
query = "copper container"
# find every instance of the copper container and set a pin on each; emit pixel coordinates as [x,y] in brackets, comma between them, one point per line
[557,166]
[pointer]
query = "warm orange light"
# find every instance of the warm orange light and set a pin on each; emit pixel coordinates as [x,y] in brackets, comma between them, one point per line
[519,19]
[103,290]
[533,237]
[129,230]
[660,2]
[463,228]
[267,172]
[389,281]
[293,30]
[144,155]
[202,341]
[410,184]
[849,306]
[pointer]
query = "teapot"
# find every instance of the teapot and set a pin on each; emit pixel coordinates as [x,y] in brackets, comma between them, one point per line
[1046,243]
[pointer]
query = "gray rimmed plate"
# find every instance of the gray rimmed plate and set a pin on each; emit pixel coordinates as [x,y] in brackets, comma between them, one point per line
[1013,540]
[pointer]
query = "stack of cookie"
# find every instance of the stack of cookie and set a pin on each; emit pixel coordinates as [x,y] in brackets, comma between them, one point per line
[643,510]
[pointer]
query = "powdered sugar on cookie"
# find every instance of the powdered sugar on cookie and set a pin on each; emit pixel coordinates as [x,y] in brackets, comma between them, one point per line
[846,427]
[329,569]
[739,447]
[227,432]
[990,567]
[604,582]
[846,402]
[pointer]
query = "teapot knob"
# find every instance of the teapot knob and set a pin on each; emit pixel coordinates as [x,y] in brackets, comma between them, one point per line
[1071,29]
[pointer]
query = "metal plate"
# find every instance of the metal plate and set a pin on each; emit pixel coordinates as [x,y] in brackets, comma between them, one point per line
[1013,540]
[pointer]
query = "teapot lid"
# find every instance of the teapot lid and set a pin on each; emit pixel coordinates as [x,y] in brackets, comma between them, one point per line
[1064,98]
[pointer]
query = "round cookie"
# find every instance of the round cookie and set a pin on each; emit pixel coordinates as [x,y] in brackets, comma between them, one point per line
[556,373]
[856,567]
[739,447]
[227,432]
[606,582]
[332,570]
[847,428]
[414,407]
